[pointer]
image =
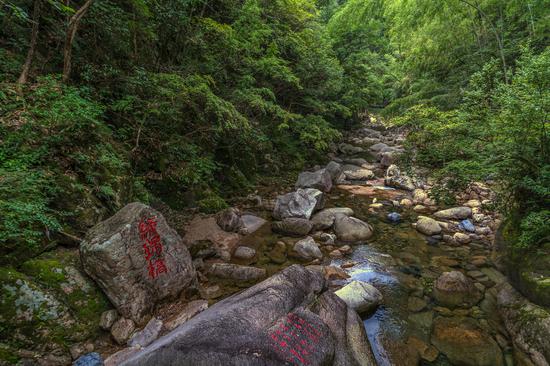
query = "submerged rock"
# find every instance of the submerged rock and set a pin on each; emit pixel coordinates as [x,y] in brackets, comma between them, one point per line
[465,343]
[263,324]
[244,253]
[320,179]
[252,223]
[360,296]
[301,204]
[351,229]
[292,226]
[454,289]
[137,260]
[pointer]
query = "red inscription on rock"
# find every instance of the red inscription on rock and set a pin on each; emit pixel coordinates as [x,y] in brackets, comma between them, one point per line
[152,246]
[295,339]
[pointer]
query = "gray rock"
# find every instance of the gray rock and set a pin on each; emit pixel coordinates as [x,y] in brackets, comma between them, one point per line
[334,169]
[395,179]
[237,272]
[113,254]
[356,161]
[244,253]
[229,220]
[248,329]
[325,219]
[377,147]
[292,226]
[454,289]
[308,249]
[526,322]
[90,359]
[350,149]
[190,310]
[455,213]
[107,319]
[351,229]
[427,226]
[147,335]
[122,330]
[301,204]
[359,174]
[252,223]
[320,179]
[360,296]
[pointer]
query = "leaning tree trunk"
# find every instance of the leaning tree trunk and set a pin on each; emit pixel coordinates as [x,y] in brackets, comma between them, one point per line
[71,33]
[32,47]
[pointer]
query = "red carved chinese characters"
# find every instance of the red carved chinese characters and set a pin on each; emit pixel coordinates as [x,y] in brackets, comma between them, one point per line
[152,246]
[295,339]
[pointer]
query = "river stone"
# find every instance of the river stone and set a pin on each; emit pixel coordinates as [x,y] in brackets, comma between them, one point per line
[292,226]
[244,253]
[89,359]
[325,219]
[350,149]
[455,213]
[229,220]
[427,225]
[320,179]
[308,249]
[205,238]
[107,319]
[465,343]
[248,328]
[147,335]
[526,322]
[113,255]
[395,179]
[360,296]
[454,289]
[122,330]
[301,204]
[351,229]
[237,272]
[252,223]
[334,169]
[378,147]
[461,238]
[359,174]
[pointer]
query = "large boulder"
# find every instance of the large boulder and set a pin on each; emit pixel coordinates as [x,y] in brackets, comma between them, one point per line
[325,219]
[351,229]
[292,226]
[320,179]
[465,343]
[527,323]
[427,225]
[137,260]
[394,178]
[454,289]
[308,249]
[301,204]
[455,213]
[360,296]
[286,319]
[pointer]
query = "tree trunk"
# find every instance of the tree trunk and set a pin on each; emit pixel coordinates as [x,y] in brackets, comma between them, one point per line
[32,47]
[71,33]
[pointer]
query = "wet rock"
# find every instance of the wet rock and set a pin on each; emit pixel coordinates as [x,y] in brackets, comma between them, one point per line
[113,255]
[278,253]
[416,304]
[455,213]
[300,204]
[308,249]
[325,219]
[90,359]
[108,318]
[395,179]
[229,220]
[237,272]
[244,253]
[427,225]
[422,321]
[332,273]
[465,343]
[147,335]
[190,310]
[292,226]
[334,169]
[453,289]
[527,323]
[425,351]
[351,229]
[360,296]
[320,179]
[122,330]
[244,328]
[252,223]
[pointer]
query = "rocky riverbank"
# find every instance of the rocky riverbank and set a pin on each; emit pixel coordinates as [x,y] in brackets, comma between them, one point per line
[357,236]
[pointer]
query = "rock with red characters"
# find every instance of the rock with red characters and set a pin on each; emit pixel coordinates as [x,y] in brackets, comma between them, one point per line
[137,259]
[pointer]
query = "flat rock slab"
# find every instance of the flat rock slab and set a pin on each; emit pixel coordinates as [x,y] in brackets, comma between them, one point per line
[284,320]
[207,230]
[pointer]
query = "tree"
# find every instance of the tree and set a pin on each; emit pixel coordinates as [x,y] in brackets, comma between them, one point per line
[32,46]
[72,27]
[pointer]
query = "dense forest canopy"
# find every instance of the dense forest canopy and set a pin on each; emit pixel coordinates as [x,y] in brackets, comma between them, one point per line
[190,101]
